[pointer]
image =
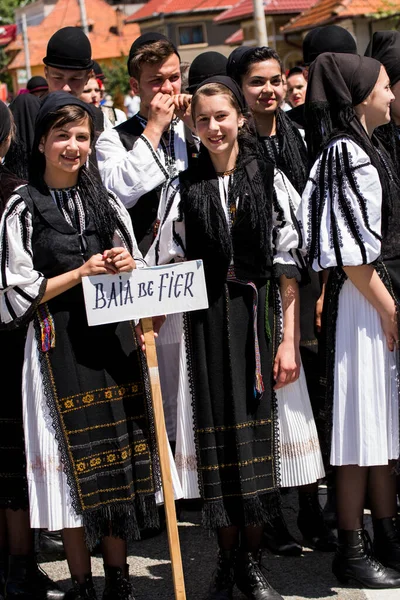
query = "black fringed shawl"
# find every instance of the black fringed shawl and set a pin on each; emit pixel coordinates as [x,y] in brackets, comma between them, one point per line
[250,241]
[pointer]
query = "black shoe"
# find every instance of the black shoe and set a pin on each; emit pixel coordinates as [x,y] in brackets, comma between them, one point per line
[3,573]
[387,542]
[20,583]
[354,561]
[118,586]
[224,576]
[82,591]
[329,511]
[278,539]
[51,546]
[46,589]
[251,581]
[312,526]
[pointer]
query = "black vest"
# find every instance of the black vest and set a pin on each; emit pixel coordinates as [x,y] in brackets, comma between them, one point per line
[144,213]
[56,246]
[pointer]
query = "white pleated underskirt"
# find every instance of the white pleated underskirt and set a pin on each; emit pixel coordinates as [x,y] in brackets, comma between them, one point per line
[300,455]
[366,403]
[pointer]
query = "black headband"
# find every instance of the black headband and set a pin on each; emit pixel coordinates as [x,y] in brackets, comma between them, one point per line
[5,122]
[229,83]
[51,104]
[145,40]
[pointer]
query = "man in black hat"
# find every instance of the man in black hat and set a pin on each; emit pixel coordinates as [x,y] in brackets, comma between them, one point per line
[68,61]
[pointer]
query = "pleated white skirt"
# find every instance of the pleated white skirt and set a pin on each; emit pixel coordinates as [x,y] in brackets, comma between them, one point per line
[366,404]
[300,454]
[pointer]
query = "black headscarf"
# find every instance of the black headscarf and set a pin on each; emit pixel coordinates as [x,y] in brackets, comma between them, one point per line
[5,122]
[231,84]
[336,84]
[93,194]
[385,47]
[24,110]
[205,65]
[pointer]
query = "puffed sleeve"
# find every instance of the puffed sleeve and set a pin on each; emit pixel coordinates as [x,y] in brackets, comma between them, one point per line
[124,235]
[340,213]
[21,287]
[286,235]
[170,243]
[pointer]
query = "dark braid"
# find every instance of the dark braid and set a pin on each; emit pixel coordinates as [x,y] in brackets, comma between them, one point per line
[93,194]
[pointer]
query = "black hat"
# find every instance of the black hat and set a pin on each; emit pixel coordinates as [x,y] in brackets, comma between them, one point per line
[307,44]
[205,65]
[145,40]
[69,48]
[37,84]
[331,38]
[385,47]
[297,70]
[98,71]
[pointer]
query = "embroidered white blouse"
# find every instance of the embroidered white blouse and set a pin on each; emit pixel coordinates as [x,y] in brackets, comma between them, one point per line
[340,213]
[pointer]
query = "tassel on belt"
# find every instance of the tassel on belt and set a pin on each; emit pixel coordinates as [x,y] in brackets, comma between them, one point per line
[258,379]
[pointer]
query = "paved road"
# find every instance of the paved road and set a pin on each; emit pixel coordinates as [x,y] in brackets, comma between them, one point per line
[308,577]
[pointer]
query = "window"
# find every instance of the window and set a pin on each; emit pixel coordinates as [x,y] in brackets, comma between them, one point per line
[191,34]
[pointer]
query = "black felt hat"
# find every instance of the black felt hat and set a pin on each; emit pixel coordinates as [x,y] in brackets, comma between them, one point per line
[98,71]
[69,48]
[145,40]
[385,47]
[37,84]
[205,65]
[330,38]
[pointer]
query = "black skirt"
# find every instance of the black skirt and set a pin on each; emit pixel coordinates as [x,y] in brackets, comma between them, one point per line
[236,432]
[13,483]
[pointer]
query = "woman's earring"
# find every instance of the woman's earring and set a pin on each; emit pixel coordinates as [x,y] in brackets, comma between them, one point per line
[89,151]
[41,148]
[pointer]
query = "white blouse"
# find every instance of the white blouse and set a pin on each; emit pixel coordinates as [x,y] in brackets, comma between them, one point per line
[169,245]
[20,284]
[340,213]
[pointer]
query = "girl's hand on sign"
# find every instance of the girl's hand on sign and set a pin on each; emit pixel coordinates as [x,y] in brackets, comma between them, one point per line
[119,259]
[96,265]
[157,324]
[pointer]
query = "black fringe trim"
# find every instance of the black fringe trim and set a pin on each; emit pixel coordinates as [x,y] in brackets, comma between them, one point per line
[123,520]
[255,510]
[276,340]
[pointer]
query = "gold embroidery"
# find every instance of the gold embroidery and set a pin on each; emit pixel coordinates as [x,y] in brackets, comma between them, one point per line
[258,423]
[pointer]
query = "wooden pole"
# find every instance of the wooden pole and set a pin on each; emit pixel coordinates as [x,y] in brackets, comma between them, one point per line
[162,441]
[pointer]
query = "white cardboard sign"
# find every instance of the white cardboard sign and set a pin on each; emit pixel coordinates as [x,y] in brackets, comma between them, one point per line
[149,292]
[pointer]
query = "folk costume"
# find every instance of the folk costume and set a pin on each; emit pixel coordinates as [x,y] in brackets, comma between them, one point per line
[301,461]
[349,219]
[86,402]
[13,483]
[137,174]
[228,221]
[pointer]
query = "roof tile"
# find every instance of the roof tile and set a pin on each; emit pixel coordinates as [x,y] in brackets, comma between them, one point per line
[329,11]
[153,8]
[244,8]
[101,15]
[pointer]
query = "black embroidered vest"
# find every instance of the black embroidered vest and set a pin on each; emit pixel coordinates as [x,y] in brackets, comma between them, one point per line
[56,246]
[144,213]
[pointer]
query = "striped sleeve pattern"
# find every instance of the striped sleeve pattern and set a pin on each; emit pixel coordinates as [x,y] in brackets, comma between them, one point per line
[286,233]
[341,208]
[21,287]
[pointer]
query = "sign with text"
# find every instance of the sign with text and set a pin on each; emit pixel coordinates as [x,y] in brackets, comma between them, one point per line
[149,292]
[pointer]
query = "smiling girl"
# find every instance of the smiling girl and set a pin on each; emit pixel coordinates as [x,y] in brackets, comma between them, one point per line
[234,211]
[85,390]
[351,221]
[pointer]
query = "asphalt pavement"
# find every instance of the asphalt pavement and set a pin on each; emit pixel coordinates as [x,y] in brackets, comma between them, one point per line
[307,577]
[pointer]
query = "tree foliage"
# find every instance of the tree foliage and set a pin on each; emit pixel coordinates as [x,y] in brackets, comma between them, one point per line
[117,78]
[7,8]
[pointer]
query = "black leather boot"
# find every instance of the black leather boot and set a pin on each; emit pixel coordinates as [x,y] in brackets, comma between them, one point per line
[3,573]
[278,539]
[20,583]
[354,561]
[251,581]
[311,523]
[82,591]
[224,576]
[387,542]
[50,546]
[118,586]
